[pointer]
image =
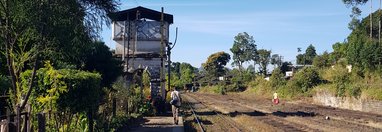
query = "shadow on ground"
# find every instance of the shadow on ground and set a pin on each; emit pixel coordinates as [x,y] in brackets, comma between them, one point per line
[298,113]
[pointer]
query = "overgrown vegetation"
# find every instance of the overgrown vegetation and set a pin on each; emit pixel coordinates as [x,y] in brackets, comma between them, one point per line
[353,69]
[74,88]
[69,96]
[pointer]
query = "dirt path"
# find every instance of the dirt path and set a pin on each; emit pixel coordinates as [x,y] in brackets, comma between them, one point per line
[287,116]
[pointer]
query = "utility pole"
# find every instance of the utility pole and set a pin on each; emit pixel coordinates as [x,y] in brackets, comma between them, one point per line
[124,46]
[379,26]
[371,18]
[162,48]
[169,48]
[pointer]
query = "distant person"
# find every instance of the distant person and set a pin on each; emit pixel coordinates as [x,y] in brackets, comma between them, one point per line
[275,99]
[175,104]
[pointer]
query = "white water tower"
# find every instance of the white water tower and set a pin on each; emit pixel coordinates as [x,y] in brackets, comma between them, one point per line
[141,37]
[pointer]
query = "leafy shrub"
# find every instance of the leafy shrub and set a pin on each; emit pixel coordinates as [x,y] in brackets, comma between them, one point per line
[322,61]
[235,87]
[277,79]
[260,86]
[212,89]
[237,84]
[288,91]
[337,74]
[84,90]
[66,93]
[118,122]
[305,79]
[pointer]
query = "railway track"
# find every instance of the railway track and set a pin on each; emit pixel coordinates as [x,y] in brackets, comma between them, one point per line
[267,118]
[228,123]
[290,118]
[195,117]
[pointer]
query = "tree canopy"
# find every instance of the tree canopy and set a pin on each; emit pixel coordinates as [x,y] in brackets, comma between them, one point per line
[243,49]
[215,64]
[361,50]
[100,59]
[263,61]
[33,31]
[307,57]
[355,13]
[276,60]
[182,73]
[310,53]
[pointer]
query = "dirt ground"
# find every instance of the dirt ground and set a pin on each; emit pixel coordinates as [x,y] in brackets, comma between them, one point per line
[247,113]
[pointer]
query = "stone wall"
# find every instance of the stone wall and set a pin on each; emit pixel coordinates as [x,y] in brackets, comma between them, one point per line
[328,99]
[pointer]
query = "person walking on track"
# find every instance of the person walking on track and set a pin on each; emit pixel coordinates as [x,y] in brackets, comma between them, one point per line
[275,99]
[175,103]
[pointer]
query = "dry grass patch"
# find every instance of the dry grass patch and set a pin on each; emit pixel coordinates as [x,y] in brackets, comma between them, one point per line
[253,124]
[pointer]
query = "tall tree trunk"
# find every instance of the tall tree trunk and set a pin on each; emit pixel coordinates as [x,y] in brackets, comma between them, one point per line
[9,47]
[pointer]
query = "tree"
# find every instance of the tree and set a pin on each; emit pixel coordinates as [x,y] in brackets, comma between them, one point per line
[361,50]
[306,79]
[322,61]
[276,60]
[182,73]
[339,51]
[175,68]
[307,57]
[243,49]
[215,64]
[251,69]
[355,13]
[100,59]
[32,31]
[187,73]
[310,53]
[263,61]
[300,59]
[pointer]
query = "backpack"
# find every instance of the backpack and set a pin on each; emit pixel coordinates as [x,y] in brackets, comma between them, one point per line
[174,101]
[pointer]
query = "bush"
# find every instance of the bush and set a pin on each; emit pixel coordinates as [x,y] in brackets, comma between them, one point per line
[118,122]
[337,74]
[374,93]
[322,61]
[65,93]
[288,91]
[260,86]
[277,79]
[340,78]
[218,89]
[237,84]
[305,79]
[84,90]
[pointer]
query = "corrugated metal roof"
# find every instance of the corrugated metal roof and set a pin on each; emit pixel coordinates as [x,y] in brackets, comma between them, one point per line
[130,14]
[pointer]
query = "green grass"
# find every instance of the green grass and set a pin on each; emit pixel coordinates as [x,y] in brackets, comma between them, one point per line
[211,89]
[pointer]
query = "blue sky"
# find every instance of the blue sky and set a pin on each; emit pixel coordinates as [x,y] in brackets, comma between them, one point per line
[206,27]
